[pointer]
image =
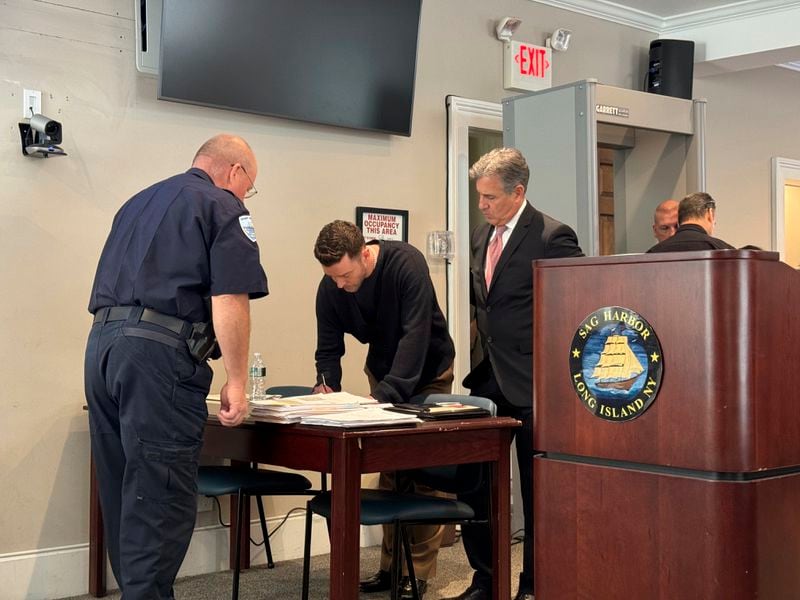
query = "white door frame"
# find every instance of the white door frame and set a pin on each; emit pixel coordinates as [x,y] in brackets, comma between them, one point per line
[784,170]
[463,114]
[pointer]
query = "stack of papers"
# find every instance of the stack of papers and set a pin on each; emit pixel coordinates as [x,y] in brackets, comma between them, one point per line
[294,409]
[361,417]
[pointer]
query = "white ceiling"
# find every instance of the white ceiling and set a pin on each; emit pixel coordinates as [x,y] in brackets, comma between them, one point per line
[667,16]
[728,35]
[672,8]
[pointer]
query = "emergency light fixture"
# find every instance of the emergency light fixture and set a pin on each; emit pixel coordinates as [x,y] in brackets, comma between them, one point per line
[506,28]
[559,40]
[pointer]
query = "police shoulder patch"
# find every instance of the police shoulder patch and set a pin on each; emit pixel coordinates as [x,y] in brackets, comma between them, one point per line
[246,223]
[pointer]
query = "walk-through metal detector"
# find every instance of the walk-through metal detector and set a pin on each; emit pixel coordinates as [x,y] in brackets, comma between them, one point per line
[659,153]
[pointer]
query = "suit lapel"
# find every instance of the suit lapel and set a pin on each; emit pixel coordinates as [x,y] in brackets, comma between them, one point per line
[517,235]
[481,246]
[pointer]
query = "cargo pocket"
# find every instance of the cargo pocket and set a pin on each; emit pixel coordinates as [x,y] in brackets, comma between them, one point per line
[167,471]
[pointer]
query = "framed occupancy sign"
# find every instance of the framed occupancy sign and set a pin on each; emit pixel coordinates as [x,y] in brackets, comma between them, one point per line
[382,223]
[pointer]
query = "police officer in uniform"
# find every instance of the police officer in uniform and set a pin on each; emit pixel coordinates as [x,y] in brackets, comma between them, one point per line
[181,256]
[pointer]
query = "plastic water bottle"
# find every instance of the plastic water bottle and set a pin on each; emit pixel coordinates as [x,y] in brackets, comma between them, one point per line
[258,374]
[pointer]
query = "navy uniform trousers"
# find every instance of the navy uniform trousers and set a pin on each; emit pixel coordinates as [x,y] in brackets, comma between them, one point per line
[147,412]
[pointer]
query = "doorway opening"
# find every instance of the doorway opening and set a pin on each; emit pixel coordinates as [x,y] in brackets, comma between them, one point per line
[786,210]
[473,127]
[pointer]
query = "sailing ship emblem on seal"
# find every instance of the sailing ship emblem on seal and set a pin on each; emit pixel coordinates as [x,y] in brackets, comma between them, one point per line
[616,363]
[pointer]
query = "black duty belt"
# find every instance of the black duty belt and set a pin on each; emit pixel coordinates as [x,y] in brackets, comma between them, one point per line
[123,313]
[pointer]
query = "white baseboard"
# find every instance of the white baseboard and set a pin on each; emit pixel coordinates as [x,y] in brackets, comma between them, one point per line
[49,573]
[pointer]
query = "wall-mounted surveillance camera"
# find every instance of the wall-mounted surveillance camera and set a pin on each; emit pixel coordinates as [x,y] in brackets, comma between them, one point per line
[47,126]
[40,137]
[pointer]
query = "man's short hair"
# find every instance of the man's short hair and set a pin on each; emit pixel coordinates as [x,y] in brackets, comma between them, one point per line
[336,240]
[507,164]
[694,206]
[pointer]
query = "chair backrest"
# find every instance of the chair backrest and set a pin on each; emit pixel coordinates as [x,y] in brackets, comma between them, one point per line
[455,479]
[290,390]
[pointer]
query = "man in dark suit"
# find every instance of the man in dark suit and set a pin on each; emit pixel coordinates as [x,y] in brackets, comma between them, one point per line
[696,219]
[501,275]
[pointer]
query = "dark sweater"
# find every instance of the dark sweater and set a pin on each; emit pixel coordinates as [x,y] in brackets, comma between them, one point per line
[690,237]
[394,311]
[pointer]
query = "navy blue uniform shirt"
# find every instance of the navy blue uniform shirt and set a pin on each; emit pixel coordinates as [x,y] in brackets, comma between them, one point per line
[174,245]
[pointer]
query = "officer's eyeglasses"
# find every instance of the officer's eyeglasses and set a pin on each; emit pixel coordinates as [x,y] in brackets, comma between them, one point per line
[251,191]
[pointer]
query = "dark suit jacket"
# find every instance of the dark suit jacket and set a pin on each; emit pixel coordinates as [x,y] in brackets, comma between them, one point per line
[504,313]
[690,237]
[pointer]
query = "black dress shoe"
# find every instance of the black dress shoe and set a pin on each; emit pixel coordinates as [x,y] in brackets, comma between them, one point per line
[379,582]
[523,596]
[474,593]
[405,588]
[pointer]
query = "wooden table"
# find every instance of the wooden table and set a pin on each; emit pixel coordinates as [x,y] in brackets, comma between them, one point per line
[346,455]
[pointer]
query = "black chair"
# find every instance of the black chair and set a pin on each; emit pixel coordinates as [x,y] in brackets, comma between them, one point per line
[245,483]
[380,507]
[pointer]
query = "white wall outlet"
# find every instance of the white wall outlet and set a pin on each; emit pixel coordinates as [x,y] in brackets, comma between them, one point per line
[31,103]
[205,504]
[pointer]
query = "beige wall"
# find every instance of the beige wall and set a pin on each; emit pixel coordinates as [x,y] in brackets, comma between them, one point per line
[55,213]
[751,117]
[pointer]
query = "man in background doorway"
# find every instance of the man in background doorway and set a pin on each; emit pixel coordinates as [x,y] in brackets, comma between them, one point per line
[501,292]
[665,220]
[382,294]
[697,215]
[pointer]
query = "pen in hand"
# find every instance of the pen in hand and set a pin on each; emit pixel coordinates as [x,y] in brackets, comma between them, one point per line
[323,388]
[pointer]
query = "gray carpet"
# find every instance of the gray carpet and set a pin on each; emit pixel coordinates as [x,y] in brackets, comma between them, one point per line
[285,580]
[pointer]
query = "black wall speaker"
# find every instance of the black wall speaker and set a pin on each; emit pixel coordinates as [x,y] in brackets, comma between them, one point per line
[671,68]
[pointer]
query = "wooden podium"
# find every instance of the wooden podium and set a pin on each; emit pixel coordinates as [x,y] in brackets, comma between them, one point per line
[698,496]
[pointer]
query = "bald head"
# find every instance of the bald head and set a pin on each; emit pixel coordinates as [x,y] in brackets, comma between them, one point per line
[230,163]
[665,220]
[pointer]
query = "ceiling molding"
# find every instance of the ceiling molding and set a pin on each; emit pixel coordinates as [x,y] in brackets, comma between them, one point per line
[624,15]
[730,12]
[610,11]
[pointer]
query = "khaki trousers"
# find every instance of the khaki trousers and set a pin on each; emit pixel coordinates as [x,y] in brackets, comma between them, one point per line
[424,539]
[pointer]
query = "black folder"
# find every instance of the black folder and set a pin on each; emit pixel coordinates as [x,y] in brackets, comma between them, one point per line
[440,410]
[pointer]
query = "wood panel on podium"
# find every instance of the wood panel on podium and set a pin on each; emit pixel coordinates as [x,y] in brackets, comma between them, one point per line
[698,496]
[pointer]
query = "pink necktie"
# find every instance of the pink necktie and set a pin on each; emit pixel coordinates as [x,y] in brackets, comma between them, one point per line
[493,253]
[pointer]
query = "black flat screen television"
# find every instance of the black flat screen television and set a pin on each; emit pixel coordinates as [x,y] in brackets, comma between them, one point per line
[349,63]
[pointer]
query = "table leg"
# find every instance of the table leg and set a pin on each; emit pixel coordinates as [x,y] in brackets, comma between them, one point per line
[501,521]
[97,540]
[244,556]
[345,524]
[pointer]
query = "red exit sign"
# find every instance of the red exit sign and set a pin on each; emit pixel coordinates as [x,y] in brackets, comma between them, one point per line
[526,67]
